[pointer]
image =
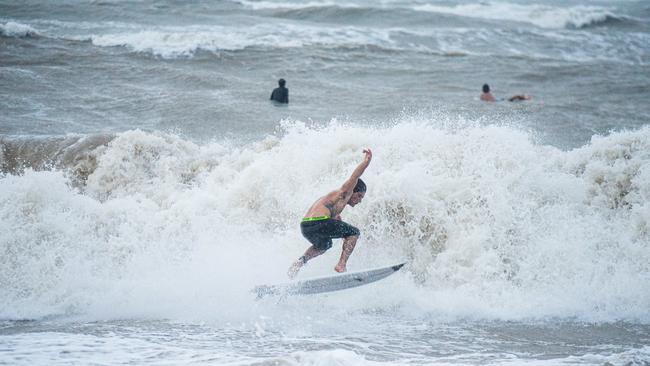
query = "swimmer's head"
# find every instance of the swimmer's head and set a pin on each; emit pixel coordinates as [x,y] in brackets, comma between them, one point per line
[486,88]
[281,82]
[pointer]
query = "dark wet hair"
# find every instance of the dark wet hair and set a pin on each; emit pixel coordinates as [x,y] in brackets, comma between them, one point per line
[486,88]
[281,82]
[360,187]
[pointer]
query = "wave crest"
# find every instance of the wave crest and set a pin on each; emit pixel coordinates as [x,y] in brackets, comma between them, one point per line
[172,42]
[539,15]
[18,30]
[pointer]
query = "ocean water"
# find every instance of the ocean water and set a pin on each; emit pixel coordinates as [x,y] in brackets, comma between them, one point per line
[147,183]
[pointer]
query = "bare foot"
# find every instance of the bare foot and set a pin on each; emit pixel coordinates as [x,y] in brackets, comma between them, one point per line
[340,268]
[295,267]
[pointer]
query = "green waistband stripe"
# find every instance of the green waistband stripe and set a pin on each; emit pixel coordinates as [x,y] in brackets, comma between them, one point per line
[317,218]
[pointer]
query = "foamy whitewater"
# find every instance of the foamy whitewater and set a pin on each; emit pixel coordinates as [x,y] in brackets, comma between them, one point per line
[147,184]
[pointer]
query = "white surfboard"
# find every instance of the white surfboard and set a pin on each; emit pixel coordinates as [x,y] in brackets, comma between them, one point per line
[326,284]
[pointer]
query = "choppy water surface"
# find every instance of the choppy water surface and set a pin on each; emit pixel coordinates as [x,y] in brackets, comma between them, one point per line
[395,340]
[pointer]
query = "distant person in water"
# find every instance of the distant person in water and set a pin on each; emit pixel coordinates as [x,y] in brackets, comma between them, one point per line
[487,96]
[281,93]
[322,222]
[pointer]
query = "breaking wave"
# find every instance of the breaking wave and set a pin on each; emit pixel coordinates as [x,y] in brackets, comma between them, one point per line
[539,15]
[492,224]
[453,38]
[15,29]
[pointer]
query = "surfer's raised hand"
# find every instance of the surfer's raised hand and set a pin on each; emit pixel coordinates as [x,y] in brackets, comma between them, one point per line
[368,156]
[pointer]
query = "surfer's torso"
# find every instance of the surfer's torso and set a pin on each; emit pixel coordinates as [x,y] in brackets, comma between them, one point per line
[332,204]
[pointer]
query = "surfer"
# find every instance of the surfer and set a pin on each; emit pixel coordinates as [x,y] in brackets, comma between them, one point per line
[281,93]
[322,222]
[487,96]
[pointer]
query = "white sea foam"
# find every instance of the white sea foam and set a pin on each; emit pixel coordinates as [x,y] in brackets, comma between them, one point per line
[173,41]
[344,357]
[539,15]
[493,225]
[273,5]
[339,357]
[15,29]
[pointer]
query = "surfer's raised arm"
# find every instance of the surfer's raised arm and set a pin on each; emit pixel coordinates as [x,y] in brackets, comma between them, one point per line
[349,184]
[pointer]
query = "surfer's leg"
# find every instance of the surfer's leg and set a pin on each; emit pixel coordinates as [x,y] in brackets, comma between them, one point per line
[316,233]
[293,270]
[348,246]
[310,253]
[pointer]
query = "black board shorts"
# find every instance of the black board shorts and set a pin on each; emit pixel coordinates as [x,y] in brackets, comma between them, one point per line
[321,232]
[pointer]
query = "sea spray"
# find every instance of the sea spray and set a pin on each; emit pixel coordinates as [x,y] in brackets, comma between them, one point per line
[493,224]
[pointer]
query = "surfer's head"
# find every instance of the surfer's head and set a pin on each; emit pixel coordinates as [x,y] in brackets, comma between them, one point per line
[358,193]
[281,82]
[486,88]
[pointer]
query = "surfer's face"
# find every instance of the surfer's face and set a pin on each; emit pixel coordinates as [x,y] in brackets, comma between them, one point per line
[356,198]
